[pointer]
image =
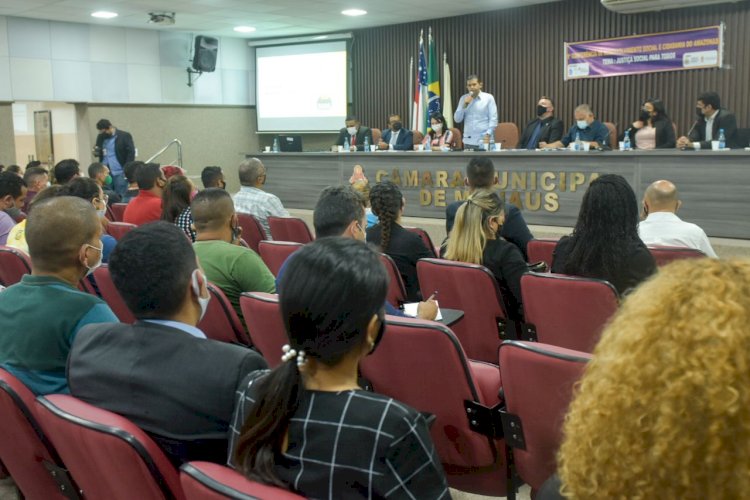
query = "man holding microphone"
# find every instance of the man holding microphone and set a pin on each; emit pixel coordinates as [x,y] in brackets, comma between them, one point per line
[480,112]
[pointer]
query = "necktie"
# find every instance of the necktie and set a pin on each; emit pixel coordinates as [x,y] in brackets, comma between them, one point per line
[354,140]
[535,136]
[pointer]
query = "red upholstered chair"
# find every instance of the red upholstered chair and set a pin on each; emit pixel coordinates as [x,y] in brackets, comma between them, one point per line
[540,250]
[119,229]
[396,289]
[472,289]
[265,325]
[376,135]
[507,134]
[566,311]
[538,384]
[111,296]
[274,253]
[665,255]
[422,364]
[458,142]
[221,321]
[209,481]
[118,210]
[110,215]
[252,231]
[107,455]
[290,229]
[425,239]
[13,265]
[613,134]
[24,449]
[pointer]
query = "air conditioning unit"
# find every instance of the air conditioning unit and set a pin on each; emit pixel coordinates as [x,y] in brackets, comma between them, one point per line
[636,6]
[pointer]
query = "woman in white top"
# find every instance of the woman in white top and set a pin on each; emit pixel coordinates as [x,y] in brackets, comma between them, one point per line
[653,129]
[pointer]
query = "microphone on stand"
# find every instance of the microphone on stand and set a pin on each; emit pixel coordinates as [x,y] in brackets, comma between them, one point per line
[691,131]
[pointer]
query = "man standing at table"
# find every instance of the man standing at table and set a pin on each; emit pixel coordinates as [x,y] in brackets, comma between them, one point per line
[711,119]
[545,128]
[587,127]
[479,111]
[396,136]
[355,134]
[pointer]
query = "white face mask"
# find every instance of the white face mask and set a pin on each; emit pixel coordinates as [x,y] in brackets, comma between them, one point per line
[101,213]
[49,183]
[351,130]
[582,124]
[203,301]
[438,127]
[98,264]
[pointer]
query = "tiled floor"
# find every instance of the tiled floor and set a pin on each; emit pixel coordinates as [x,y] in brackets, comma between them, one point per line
[8,490]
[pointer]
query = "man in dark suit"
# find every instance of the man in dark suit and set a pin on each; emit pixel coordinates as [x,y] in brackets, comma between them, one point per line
[544,128]
[355,134]
[161,372]
[711,119]
[395,135]
[480,174]
[115,148]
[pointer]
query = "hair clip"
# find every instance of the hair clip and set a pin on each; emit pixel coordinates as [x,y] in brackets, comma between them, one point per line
[290,353]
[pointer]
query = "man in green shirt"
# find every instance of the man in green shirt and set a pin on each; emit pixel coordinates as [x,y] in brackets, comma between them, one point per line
[227,264]
[41,315]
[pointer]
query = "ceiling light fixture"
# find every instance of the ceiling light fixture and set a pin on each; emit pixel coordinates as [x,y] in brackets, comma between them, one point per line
[244,29]
[354,12]
[103,14]
[320,37]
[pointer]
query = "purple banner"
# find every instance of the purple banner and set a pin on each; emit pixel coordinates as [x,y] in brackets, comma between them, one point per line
[677,50]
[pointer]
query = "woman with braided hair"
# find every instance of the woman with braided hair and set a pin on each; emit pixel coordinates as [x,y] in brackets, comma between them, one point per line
[403,246]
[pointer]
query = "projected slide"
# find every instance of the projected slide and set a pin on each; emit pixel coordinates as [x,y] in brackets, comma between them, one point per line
[301,87]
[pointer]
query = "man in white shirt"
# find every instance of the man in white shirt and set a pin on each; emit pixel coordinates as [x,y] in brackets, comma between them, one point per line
[662,227]
[251,199]
[479,111]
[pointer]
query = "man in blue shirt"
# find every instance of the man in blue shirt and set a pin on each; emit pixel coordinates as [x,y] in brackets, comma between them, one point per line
[587,128]
[478,111]
[115,148]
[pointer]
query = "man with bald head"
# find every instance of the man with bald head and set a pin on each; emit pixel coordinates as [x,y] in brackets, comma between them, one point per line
[251,199]
[662,227]
[41,315]
[227,264]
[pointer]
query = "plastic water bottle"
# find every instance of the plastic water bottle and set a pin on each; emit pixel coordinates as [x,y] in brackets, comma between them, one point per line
[275,144]
[346,145]
[722,139]
[626,141]
[428,144]
[578,145]
[367,144]
[491,144]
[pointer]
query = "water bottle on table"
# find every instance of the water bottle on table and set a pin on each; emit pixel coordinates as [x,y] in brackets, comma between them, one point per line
[578,144]
[491,144]
[367,144]
[346,145]
[275,144]
[626,141]
[722,139]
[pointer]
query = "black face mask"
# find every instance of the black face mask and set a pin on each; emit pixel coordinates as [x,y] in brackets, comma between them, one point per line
[644,116]
[381,331]
[396,126]
[540,110]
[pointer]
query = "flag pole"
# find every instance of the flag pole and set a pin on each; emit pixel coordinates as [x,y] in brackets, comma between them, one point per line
[409,96]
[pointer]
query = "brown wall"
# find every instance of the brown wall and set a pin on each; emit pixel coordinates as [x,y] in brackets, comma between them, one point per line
[519,54]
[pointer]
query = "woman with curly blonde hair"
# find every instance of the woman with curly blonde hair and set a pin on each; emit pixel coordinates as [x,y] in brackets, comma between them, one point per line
[663,410]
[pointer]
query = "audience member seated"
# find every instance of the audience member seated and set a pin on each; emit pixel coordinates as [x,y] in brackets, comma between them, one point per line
[403,246]
[480,174]
[12,196]
[252,199]
[307,425]
[362,186]
[36,179]
[653,129]
[162,372]
[475,239]
[17,235]
[41,316]
[663,408]
[146,207]
[176,204]
[131,169]
[605,242]
[65,170]
[229,265]
[15,169]
[662,226]
[213,177]
[438,136]
[89,190]
[100,173]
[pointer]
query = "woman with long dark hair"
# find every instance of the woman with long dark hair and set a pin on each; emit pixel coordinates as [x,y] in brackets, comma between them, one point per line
[178,193]
[438,135]
[653,129]
[605,242]
[403,246]
[306,425]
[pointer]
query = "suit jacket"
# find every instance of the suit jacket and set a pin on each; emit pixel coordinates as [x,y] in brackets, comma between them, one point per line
[124,147]
[178,388]
[552,130]
[665,137]
[514,229]
[404,141]
[362,132]
[724,120]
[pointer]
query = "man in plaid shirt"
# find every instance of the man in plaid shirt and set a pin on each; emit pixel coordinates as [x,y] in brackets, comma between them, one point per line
[251,199]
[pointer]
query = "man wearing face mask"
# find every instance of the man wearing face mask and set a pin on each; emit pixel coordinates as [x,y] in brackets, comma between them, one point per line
[228,265]
[355,134]
[395,137]
[588,128]
[42,315]
[12,196]
[100,173]
[162,372]
[544,128]
[114,148]
[478,111]
[213,177]
[146,207]
[711,119]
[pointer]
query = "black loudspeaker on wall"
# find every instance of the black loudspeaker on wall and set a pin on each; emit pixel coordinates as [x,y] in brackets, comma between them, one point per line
[205,53]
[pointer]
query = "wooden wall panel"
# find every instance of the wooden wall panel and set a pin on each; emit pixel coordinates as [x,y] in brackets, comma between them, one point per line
[519,54]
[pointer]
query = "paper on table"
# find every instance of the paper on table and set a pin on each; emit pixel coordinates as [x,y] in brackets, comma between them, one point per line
[410,309]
